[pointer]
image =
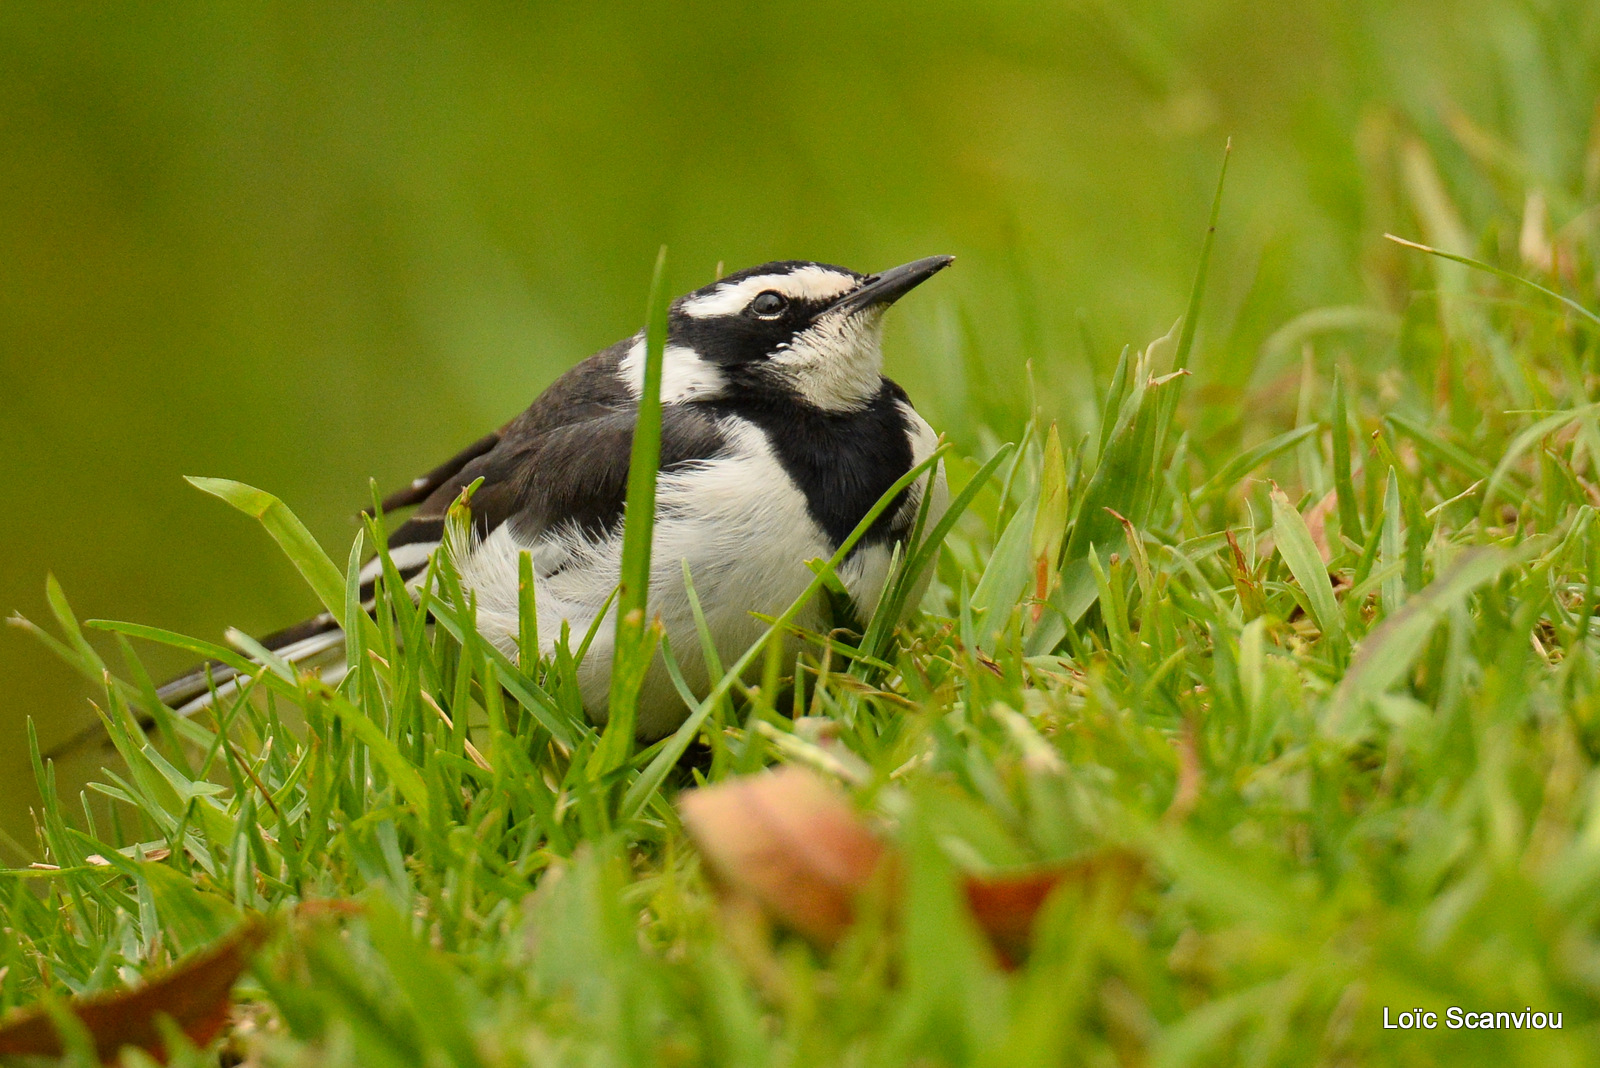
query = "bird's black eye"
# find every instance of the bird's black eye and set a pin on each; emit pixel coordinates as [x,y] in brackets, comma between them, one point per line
[769,305]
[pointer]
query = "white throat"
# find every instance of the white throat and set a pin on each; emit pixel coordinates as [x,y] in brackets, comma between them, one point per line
[837,364]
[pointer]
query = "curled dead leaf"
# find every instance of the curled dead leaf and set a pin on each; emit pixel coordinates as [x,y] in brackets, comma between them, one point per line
[195,995]
[787,842]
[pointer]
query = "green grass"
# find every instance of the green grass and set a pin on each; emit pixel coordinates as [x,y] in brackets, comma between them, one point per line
[1336,687]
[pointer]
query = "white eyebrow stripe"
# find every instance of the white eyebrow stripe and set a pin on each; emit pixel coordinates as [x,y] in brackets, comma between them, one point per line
[803,283]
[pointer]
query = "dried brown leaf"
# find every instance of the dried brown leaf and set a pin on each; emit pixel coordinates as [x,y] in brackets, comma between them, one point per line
[1007,906]
[789,842]
[195,995]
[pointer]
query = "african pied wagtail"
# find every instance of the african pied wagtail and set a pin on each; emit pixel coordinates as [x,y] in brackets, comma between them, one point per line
[778,433]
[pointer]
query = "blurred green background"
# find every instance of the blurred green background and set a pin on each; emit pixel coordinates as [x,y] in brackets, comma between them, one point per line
[305,245]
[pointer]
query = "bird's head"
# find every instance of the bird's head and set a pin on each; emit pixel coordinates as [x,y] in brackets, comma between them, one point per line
[806,329]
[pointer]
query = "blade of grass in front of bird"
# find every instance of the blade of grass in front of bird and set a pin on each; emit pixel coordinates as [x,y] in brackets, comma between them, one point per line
[712,660]
[527,615]
[291,535]
[259,653]
[401,620]
[632,640]
[173,730]
[204,649]
[891,603]
[929,546]
[529,694]
[675,673]
[355,638]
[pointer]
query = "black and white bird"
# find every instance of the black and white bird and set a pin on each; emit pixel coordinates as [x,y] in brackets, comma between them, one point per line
[778,433]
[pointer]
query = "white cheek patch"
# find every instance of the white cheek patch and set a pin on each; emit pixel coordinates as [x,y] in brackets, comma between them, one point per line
[835,364]
[805,283]
[684,375]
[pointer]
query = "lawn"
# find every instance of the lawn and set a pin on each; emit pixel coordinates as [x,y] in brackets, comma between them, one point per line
[1289,687]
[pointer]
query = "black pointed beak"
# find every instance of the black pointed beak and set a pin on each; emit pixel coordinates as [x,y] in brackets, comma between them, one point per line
[883,289]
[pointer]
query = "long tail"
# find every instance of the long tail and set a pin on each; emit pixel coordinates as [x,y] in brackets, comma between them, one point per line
[315,643]
[318,643]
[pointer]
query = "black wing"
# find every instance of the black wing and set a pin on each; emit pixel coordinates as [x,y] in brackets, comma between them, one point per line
[563,461]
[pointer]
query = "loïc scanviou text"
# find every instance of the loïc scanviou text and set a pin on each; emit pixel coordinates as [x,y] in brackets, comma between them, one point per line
[1457,1018]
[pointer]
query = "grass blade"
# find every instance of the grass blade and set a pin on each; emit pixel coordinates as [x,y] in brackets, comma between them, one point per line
[1392,546]
[1498,272]
[1305,564]
[632,641]
[1251,459]
[292,537]
[1343,481]
[1191,315]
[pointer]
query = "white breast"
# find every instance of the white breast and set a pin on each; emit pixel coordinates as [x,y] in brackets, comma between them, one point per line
[738,521]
